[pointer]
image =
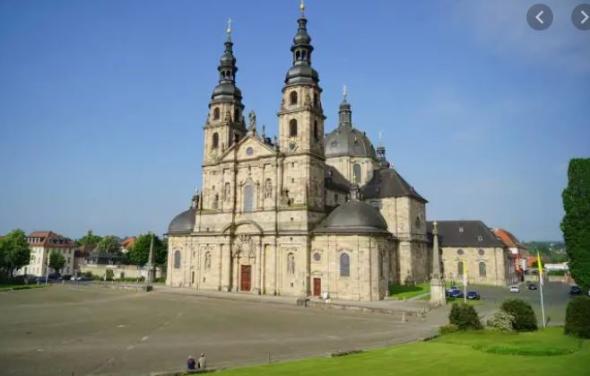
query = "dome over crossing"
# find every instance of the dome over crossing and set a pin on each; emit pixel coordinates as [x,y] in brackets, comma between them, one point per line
[347,140]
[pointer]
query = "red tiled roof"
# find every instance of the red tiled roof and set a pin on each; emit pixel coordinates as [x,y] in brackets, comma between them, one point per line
[507,238]
[128,242]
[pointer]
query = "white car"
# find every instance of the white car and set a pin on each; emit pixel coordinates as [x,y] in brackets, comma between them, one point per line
[514,288]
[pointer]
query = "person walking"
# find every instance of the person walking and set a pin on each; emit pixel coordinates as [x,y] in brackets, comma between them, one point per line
[190,363]
[202,362]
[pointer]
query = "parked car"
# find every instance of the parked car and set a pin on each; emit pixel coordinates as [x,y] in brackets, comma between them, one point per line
[532,286]
[473,295]
[455,293]
[575,290]
[514,288]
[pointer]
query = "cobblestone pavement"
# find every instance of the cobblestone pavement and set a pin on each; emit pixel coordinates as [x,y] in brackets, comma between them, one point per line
[69,330]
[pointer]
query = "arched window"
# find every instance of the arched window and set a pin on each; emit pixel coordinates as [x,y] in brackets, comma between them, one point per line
[216,114]
[248,198]
[215,141]
[482,269]
[291,264]
[356,173]
[460,268]
[177,260]
[293,97]
[293,128]
[344,265]
[316,135]
[216,201]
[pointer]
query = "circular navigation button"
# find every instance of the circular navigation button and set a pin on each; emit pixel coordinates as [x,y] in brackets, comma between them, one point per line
[539,17]
[581,17]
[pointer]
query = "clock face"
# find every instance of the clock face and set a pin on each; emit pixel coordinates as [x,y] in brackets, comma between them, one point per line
[292,146]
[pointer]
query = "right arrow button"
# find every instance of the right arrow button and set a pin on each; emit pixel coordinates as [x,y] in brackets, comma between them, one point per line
[581,17]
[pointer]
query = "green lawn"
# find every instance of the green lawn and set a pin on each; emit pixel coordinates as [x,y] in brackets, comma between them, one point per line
[402,292]
[546,352]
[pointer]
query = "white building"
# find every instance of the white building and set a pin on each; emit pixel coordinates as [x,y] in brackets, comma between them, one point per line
[42,243]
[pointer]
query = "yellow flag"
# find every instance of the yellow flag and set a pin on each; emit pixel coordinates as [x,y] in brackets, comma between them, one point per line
[540,268]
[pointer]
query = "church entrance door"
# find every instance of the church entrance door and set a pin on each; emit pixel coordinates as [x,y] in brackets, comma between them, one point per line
[245,277]
[317,286]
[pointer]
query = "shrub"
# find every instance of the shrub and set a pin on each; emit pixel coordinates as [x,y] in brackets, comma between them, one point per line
[446,329]
[524,316]
[464,317]
[577,317]
[501,321]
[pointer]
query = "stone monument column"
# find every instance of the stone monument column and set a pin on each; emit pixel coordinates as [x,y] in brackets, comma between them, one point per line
[437,286]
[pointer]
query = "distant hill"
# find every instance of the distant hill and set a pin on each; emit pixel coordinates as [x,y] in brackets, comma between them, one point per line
[549,251]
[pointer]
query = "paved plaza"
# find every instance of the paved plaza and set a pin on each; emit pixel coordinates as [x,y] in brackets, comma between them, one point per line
[68,330]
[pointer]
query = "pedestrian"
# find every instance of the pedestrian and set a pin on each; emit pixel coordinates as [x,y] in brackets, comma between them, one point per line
[202,362]
[190,363]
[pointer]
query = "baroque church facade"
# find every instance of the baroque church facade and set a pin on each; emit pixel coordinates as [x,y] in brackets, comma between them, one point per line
[305,214]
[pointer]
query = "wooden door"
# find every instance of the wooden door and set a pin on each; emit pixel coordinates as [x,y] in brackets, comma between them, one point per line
[317,286]
[245,277]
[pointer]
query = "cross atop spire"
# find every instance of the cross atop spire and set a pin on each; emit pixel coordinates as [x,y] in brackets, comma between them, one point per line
[302,8]
[228,29]
[344,93]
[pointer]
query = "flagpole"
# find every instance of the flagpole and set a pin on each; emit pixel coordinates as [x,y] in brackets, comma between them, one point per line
[541,287]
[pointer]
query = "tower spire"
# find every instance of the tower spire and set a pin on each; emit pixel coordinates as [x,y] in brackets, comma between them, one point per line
[228,30]
[301,71]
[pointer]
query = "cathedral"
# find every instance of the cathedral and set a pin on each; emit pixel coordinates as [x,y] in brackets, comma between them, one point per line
[307,214]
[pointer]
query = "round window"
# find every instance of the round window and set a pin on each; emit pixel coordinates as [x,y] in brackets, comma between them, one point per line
[249,151]
[459,251]
[481,252]
[317,256]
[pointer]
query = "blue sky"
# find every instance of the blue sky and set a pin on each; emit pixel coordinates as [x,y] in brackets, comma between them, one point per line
[102,102]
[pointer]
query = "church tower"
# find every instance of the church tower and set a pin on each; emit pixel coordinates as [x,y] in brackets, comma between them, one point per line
[225,121]
[301,125]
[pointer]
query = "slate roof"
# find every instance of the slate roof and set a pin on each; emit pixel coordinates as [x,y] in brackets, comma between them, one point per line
[348,141]
[353,217]
[335,180]
[387,182]
[464,233]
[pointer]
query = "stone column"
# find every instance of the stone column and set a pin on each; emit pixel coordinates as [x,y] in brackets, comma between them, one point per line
[437,287]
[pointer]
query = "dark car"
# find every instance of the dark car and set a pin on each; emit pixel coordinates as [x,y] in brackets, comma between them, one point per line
[455,293]
[575,290]
[473,295]
[532,286]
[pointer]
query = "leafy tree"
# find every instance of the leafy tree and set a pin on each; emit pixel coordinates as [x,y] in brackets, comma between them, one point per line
[89,240]
[139,254]
[576,222]
[56,261]
[109,244]
[14,251]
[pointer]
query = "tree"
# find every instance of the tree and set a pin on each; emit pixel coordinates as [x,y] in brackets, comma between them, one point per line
[89,240]
[110,245]
[14,251]
[139,254]
[56,261]
[576,222]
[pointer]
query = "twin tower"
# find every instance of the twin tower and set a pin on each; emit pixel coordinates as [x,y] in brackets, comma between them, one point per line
[301,117]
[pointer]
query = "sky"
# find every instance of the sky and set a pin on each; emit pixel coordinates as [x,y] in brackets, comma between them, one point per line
[102,103]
